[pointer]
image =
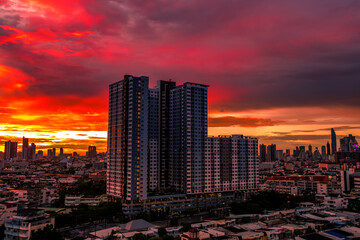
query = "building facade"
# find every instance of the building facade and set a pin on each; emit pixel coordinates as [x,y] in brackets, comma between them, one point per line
[10,150]
[158,144]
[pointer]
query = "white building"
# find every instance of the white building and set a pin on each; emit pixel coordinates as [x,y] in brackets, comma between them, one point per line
[20,226]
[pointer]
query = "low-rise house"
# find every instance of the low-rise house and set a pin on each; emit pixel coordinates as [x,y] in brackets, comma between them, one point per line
[20,226]
[7,210]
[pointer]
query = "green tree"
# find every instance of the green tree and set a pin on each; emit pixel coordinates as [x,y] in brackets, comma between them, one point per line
[162,232]
[139,236]
[156,238]
[2,230]
[186,226]
[167,237]
[45,234]
[309,230]
[174,222]
[111,236]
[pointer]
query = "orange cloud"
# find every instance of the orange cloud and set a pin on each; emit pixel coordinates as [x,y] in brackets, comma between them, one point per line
[12,79]
[229,121]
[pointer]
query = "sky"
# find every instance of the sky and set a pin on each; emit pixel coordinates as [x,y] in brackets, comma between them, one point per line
[283,71]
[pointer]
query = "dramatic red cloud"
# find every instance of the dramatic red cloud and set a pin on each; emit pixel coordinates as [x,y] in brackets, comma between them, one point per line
[274,68]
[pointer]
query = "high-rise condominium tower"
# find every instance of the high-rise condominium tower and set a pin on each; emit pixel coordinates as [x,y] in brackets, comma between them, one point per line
[128,138]
[158,143]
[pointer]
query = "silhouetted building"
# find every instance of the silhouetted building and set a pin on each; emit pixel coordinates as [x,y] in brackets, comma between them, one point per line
[328,148]
[262,152]
[287,152]
[54,152]
[25,147]
[50,153]
[310,151]
[10,150]
[271,153]
[31,151]
[333,141]
[347,144]
[92,152]
[323,152]
[296,152]
[61,152]
[40,154]
[157,139]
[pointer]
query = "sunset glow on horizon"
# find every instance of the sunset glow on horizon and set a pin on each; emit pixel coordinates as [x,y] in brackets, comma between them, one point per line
[283,71]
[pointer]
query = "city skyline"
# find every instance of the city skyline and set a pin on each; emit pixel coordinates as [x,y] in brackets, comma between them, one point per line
[283,72]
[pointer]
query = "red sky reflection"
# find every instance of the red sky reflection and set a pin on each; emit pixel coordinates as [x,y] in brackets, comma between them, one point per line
[283,71]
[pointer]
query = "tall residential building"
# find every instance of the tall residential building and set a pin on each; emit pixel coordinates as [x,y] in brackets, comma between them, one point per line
[262,153]
[154,163]
[245,163]
[158,143]
[212,165]
[25,147]
[50,153]
[54,152]
[328,152]
[10,150]
[61,152]
[226,173]
[188,123]
[31,151]
[165,89]
[271,153]
[128,138]
[333,141]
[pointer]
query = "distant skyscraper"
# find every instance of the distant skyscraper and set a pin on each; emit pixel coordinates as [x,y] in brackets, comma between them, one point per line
[25,147]
[328,148]
[333,141]
[54,152]
[271,153]
[10,150]
[31,151]
[316,154]
[262,152]
[310,150]
[50,153]
[61,152]
[92,152]
[287,152]
[323,152]
[40,154]
[347,143]
[279,154]
[296,152]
